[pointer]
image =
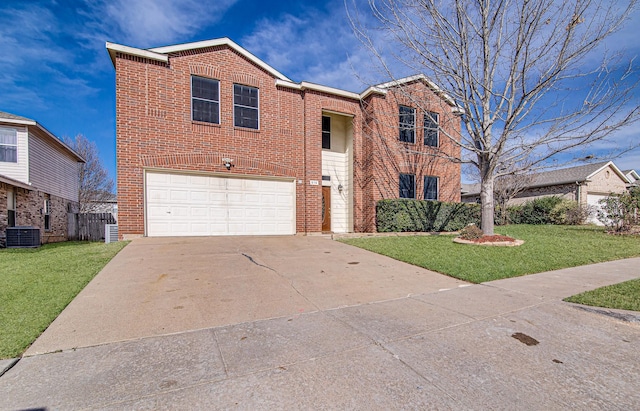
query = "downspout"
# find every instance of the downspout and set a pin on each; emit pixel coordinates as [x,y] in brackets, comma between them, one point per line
[304,158]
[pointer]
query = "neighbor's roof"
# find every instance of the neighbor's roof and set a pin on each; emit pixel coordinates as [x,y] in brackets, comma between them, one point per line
[8,118]
[162,54]
[557,177]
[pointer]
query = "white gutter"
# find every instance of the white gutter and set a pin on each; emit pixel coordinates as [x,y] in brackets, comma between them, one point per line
[118,48]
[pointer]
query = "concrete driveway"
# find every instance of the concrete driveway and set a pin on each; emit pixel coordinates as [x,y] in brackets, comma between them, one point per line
[308,323]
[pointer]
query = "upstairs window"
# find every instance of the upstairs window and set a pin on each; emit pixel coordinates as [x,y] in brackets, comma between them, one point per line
[326,132]
[431,129]
[8,145]
[407,186]
[246,107]
[430,188]
[205,100]
[407,124]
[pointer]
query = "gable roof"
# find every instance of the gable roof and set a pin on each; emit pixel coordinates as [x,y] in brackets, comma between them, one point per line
[569,175]
[8,118]
[632,175]
[162,54]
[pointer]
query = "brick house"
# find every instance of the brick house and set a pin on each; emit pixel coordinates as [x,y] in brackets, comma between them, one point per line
[212,140]
[38,178]
[586,184]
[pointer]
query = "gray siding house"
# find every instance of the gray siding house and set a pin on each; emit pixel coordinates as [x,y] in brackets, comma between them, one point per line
[39,178]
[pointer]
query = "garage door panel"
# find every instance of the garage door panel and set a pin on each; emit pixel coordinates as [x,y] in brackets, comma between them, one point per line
[183,204]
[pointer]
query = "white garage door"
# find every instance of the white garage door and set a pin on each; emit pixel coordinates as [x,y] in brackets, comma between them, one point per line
[593,201]
[201,205]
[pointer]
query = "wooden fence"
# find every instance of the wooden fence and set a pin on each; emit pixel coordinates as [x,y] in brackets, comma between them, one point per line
[88,227]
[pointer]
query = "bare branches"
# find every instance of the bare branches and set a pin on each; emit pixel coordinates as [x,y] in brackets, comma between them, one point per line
[96,186]
[531,75]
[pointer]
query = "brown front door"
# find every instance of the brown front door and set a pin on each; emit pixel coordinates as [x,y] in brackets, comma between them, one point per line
[326,208]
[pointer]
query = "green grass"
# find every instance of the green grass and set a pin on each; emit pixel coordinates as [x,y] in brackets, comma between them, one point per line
[37,284]
[623,296]
[546,248]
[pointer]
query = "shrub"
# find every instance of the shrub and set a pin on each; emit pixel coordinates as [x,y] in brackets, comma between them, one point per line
[471,232]
[535,211]
[405,215]
[620,212]
[568,212]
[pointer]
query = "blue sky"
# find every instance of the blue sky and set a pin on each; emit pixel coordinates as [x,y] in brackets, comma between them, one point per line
[55,68]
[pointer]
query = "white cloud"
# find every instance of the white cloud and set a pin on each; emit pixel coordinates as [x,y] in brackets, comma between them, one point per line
[316,45]
[147,23]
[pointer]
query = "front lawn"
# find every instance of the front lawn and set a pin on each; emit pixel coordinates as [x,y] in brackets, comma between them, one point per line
[37,284]
[623,296]
[546,248]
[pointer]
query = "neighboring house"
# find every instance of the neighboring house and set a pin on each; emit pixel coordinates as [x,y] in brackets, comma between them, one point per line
[38,178]
[633,177]
[108,203]
[586,184]
[212,140]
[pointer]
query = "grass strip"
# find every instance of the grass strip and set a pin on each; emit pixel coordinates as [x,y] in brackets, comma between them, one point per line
[37,284]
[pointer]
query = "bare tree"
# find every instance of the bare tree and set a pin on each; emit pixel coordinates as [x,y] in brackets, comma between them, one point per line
[506,188]
[95,184]
[532,76]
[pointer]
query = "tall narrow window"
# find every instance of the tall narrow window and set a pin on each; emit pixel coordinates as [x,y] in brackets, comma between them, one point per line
[407,186]
[8,145]
[430,188]
[407,124]
[47,214]
[431,129]
[11,207]
[246,107]
[326,132]
[205,100]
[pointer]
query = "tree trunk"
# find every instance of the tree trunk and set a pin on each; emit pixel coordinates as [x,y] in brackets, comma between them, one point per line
[486,202]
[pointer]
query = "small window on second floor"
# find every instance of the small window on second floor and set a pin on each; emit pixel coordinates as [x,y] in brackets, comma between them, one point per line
[246,107]
[431,129]
[326,132]
[407,186]
[407,124]
[8,145]
[205,100]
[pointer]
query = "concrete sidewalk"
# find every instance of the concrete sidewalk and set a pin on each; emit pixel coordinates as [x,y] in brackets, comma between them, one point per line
[449,347]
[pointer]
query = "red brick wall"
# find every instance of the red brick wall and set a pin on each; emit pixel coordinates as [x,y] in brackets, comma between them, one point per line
[155,130]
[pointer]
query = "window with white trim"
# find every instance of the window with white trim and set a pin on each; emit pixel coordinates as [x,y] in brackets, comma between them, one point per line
[47,214]
[11,207]
[431,120]
[407,186]
[407,124]
[326,132]
[246,111]
[205,100]
[8,145]
[430,188]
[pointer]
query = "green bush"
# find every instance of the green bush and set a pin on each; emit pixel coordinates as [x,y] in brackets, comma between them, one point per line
[405,215]
[534,212]
[620,212]
[568,212]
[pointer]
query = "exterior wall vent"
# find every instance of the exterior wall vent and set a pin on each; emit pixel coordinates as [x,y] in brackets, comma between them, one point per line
[23,237]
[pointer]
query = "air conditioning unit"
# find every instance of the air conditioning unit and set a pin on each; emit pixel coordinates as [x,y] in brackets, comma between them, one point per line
[22,237]
[110,233]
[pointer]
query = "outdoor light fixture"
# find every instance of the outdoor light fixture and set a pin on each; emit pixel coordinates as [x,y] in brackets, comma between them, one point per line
[340,188]
[227,163]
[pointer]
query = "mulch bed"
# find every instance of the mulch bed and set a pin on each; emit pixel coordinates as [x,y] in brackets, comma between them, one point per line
[493,239]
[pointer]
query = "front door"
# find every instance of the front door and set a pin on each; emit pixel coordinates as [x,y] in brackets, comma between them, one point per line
[326,208]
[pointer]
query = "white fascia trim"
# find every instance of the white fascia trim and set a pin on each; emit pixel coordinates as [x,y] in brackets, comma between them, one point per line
[17,121]
[329,90]
[114,48]
[433,86]
[220,42]
[615,168]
